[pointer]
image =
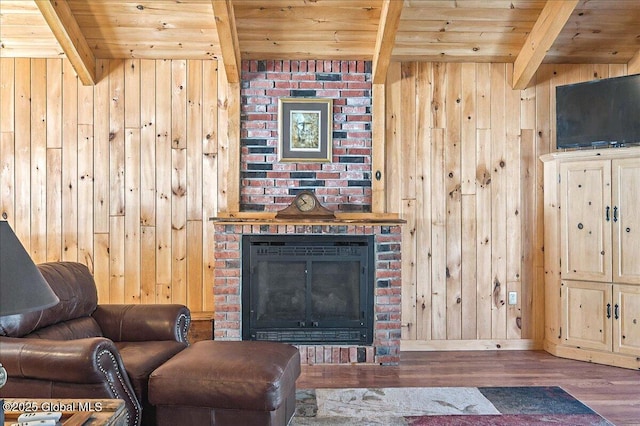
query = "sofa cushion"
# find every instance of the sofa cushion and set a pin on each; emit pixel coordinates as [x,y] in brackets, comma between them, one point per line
[73,284]
[79,328]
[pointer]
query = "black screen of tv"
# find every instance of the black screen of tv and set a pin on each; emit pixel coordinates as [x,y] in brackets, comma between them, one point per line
[598,113]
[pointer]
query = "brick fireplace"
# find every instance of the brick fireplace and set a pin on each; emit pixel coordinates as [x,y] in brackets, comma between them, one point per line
[387,289]
[342,185]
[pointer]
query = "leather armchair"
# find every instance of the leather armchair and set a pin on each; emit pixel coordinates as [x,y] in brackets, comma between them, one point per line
[79,349]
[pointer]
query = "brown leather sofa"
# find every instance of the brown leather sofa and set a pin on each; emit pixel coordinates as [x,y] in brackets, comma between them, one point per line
[79,349]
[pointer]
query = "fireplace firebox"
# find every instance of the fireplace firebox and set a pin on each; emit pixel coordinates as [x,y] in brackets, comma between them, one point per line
[308,289]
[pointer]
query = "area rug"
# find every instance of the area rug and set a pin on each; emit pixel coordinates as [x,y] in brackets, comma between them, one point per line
[536,405]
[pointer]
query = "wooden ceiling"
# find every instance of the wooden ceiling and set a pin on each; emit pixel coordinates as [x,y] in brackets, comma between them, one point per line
[525,32]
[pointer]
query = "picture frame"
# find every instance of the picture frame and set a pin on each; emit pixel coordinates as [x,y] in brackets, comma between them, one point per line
[305,129]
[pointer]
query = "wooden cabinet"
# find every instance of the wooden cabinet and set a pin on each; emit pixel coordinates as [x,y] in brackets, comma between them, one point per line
[626,220]
[592,255]
[601,316]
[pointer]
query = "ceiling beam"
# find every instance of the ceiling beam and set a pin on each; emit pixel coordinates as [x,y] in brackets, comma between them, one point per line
[66,30]
[633,66]
[385,39]
[228,36]
[552,19]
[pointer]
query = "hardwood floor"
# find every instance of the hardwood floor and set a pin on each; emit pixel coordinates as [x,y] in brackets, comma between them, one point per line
[611,391]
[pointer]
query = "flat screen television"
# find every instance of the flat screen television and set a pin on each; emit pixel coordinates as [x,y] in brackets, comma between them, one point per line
[598,113]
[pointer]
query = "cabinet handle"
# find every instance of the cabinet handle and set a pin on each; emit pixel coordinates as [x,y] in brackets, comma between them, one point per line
[607,213]
[616,311]
[608,310]
[615,214]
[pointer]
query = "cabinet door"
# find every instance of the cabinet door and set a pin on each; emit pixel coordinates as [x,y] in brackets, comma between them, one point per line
[585,191]
[626,324]
[626,220]
[587,310]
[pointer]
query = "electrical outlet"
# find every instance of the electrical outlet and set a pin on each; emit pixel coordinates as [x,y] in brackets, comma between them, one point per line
[513,297]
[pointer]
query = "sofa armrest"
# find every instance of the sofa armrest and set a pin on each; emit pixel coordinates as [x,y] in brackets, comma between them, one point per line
[139,323]
[47,364]
[78,361]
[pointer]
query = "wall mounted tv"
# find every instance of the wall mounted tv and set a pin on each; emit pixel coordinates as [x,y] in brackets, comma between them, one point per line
[598,113]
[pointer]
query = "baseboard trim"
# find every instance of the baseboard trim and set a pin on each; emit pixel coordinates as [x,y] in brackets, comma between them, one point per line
[469,345]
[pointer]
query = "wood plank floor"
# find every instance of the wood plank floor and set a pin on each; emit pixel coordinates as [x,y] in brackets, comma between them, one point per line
[611,391]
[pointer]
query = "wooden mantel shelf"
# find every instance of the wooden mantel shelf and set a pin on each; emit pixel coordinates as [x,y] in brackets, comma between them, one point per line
[342,218]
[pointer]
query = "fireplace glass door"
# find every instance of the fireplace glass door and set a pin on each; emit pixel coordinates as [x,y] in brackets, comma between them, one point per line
[308,288]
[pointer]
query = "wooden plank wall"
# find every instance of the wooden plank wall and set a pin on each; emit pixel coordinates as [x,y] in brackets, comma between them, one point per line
[121,176]
[124,175]
[463,149]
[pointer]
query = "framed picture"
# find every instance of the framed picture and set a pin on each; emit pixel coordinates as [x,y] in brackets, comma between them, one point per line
[305,126]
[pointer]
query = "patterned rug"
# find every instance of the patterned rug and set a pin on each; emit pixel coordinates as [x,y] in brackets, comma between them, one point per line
[442,406]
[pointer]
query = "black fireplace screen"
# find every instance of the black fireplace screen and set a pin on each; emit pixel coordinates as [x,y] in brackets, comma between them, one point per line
[307,288]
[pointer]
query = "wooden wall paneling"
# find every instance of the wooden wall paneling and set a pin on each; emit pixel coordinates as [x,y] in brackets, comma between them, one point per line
[163,181]
[148,264]
[22,179]
[499,206]
[195,285]
[423,201]
[408,130]
[132,83]
[409,250]
[54,103]
[132,180]
[468,269]
[468,276]
[513,200]
[69,163]
[101,153]
[179,145]
[148,146]
[7,94]
[7,147]
[85,174]
[116,138]
[6,175]
[195,141]
[483,202]
[85,187]
[438,237]
[453,188]
[393,136]
[147,181]
[132,243]
[468,129]
[378,134]
[616,70]
[101,267]
[209,176]
[54,204]
[484,238]
[233,131]
[530,225]
[223,143]
[38,160]
[116,253]
[407,149]
[194,181]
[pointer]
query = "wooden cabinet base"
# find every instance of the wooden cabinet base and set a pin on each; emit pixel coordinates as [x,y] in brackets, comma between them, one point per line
[597,357]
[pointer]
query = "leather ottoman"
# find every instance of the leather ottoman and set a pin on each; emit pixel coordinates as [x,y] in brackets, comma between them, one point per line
[227,383]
